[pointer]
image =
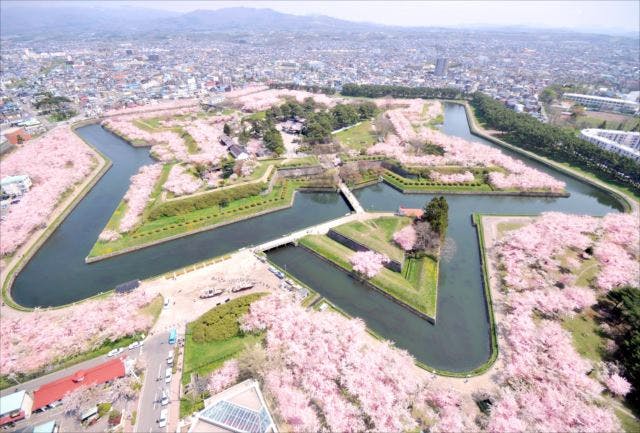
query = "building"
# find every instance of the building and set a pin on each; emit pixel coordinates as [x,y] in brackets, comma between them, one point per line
[47,427]
[410,212]
[15,186]
[239,409]
[601,103]
[56,390]
[620,142]
[442,66]
[16,135]
[238,152]
[14,407]
[292,127]
[225,140]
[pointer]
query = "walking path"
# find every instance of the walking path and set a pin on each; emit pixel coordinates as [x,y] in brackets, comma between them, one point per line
[320,229]
[353,201]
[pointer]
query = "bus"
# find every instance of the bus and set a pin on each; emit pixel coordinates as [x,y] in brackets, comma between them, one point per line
[172,336]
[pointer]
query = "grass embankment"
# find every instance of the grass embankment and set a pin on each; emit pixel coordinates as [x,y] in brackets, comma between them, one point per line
[376,234]
[212,339]
[153,310]
[358,137]
[165,227]
[422,297]
[426,185]
[300,162]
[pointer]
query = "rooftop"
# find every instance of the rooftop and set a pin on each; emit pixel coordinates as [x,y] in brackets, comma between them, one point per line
[12,402]
[239,409]
[57,389]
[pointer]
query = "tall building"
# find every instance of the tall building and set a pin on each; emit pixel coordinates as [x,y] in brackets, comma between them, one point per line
[441,67]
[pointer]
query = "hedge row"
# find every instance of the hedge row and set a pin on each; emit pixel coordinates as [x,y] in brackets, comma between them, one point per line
[203,201]
[410,182]
[221,323]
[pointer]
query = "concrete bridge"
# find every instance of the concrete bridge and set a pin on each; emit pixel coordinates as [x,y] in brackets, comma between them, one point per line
[319,229]
[353,201]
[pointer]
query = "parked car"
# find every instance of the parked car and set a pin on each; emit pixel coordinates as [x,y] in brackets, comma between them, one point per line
[167,375]
[134,345]
[115,352]
[162,421]
[165,398]
[170,358]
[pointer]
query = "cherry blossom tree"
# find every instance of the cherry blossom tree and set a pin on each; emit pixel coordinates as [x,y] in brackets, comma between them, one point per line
[181,182]
[56,162]
[368,263]
[406,237]
[137,196]
[70,331]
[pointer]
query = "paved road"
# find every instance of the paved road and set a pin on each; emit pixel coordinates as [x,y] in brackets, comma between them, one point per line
[156,350]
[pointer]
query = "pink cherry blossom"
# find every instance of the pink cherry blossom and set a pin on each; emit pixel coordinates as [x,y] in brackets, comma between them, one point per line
[618,385]
[325,373]
[467,176]
[368,263]
[223,377]
[181,182]
[55,162]
[142,184]
[405,237]
[72,330]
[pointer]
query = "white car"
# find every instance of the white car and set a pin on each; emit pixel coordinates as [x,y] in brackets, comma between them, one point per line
[162,421]
[167,375]
[170,358]
[115,352]
[165,399]
[167,302]
[134,345]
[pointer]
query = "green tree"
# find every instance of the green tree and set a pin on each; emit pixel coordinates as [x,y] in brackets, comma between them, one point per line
[273,141]
[548,95]
[226,129]
[436,213]
[227,167]
[244,136]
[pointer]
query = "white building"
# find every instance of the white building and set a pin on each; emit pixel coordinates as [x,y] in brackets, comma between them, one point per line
[620,142]
[602,103]
[15,185]
[239,409]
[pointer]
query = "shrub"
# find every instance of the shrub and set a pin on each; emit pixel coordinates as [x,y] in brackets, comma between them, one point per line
[221,323]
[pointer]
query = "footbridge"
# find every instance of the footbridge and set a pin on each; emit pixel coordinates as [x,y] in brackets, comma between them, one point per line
[319,229]
[353,201]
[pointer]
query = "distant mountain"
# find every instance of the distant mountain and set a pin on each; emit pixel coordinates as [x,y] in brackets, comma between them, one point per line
[250,19]
[22,20]
[42,20]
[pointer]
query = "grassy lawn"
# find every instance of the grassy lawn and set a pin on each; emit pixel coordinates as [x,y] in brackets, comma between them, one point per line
[422,298]
[259,115]
[376,234]
[149,231]
[508,226]
[203,358]
[359,137]
[584,331]
[629,423]
[622,188]
[205,353]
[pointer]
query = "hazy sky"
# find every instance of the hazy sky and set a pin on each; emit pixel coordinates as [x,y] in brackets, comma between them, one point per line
[579,15]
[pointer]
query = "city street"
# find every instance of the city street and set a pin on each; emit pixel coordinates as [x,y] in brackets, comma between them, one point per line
[157,348]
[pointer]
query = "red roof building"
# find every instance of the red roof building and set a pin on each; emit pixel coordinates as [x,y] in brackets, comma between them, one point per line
[410,212]
[57,389]
[16,135]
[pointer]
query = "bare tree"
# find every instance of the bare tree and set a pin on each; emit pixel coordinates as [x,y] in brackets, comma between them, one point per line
[383,126]
[426,238]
